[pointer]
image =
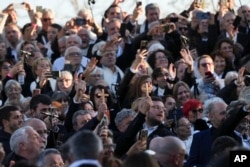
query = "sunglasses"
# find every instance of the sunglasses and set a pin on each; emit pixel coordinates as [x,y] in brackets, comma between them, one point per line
[197,110]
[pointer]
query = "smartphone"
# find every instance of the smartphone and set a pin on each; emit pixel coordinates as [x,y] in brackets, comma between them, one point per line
[143,134]
[173,19]
[18,6]
[123,29]
[166,28]
[80,21]
[39,9]
[53,74]
[139,3]
[56,74]
[143,45]
[236,22]
[202,15]
[68,67]
[36,92]
[209,74]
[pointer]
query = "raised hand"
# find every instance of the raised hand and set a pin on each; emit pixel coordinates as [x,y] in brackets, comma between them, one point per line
[186,55]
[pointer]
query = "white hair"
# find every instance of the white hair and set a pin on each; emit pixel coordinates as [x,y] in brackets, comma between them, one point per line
[208,104]
[20,135]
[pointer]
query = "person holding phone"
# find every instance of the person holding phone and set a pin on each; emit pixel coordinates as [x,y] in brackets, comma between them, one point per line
[208,83]
[42,70]
[230,25]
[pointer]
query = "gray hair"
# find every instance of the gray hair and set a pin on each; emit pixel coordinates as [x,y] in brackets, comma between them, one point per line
[209,104]
[96,70]
[76,114]
[231,75]
[79,40]
[71,47]
[19,136]
[11,82]
[123,114]
[40,161]
[85,145]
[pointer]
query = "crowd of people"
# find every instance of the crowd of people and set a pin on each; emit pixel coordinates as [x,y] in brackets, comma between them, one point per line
[170,92]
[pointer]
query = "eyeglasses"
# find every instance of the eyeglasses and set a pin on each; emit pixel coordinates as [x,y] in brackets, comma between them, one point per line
[75,54]
[158,107]
[6,67]
[206,64]
[46,19]
[200,110]
[183,28]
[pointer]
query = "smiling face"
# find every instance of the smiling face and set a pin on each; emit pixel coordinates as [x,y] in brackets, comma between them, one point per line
[156,113]
[219,64]
[183,95]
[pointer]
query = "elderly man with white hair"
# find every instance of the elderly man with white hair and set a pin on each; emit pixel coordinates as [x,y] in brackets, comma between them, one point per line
[169,151]
[26,144]
[224,120]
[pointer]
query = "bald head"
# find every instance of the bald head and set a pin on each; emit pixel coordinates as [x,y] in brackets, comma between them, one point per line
[165,148]
[40,127]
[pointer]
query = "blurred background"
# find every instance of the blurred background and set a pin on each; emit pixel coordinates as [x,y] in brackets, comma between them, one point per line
[66,9]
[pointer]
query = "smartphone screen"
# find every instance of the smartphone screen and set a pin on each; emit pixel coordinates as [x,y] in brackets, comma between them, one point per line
[80,21]
[143,134]
[143,44]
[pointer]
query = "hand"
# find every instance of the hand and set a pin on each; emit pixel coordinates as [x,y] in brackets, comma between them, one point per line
[137,13]
[102,110]
[144,105]
[138,146]
[18,67]
[186,55]
[27,6]
[80,88]
[90,66]
[116,2]
[2,153]
[240,78]
[172,71]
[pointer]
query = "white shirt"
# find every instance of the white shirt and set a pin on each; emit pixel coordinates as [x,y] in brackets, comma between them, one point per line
[111,77]
[59,63]
[85,161]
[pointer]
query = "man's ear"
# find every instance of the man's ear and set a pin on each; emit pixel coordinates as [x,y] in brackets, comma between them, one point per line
[4,122]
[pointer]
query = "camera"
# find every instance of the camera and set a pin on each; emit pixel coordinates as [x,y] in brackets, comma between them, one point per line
[80,21]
